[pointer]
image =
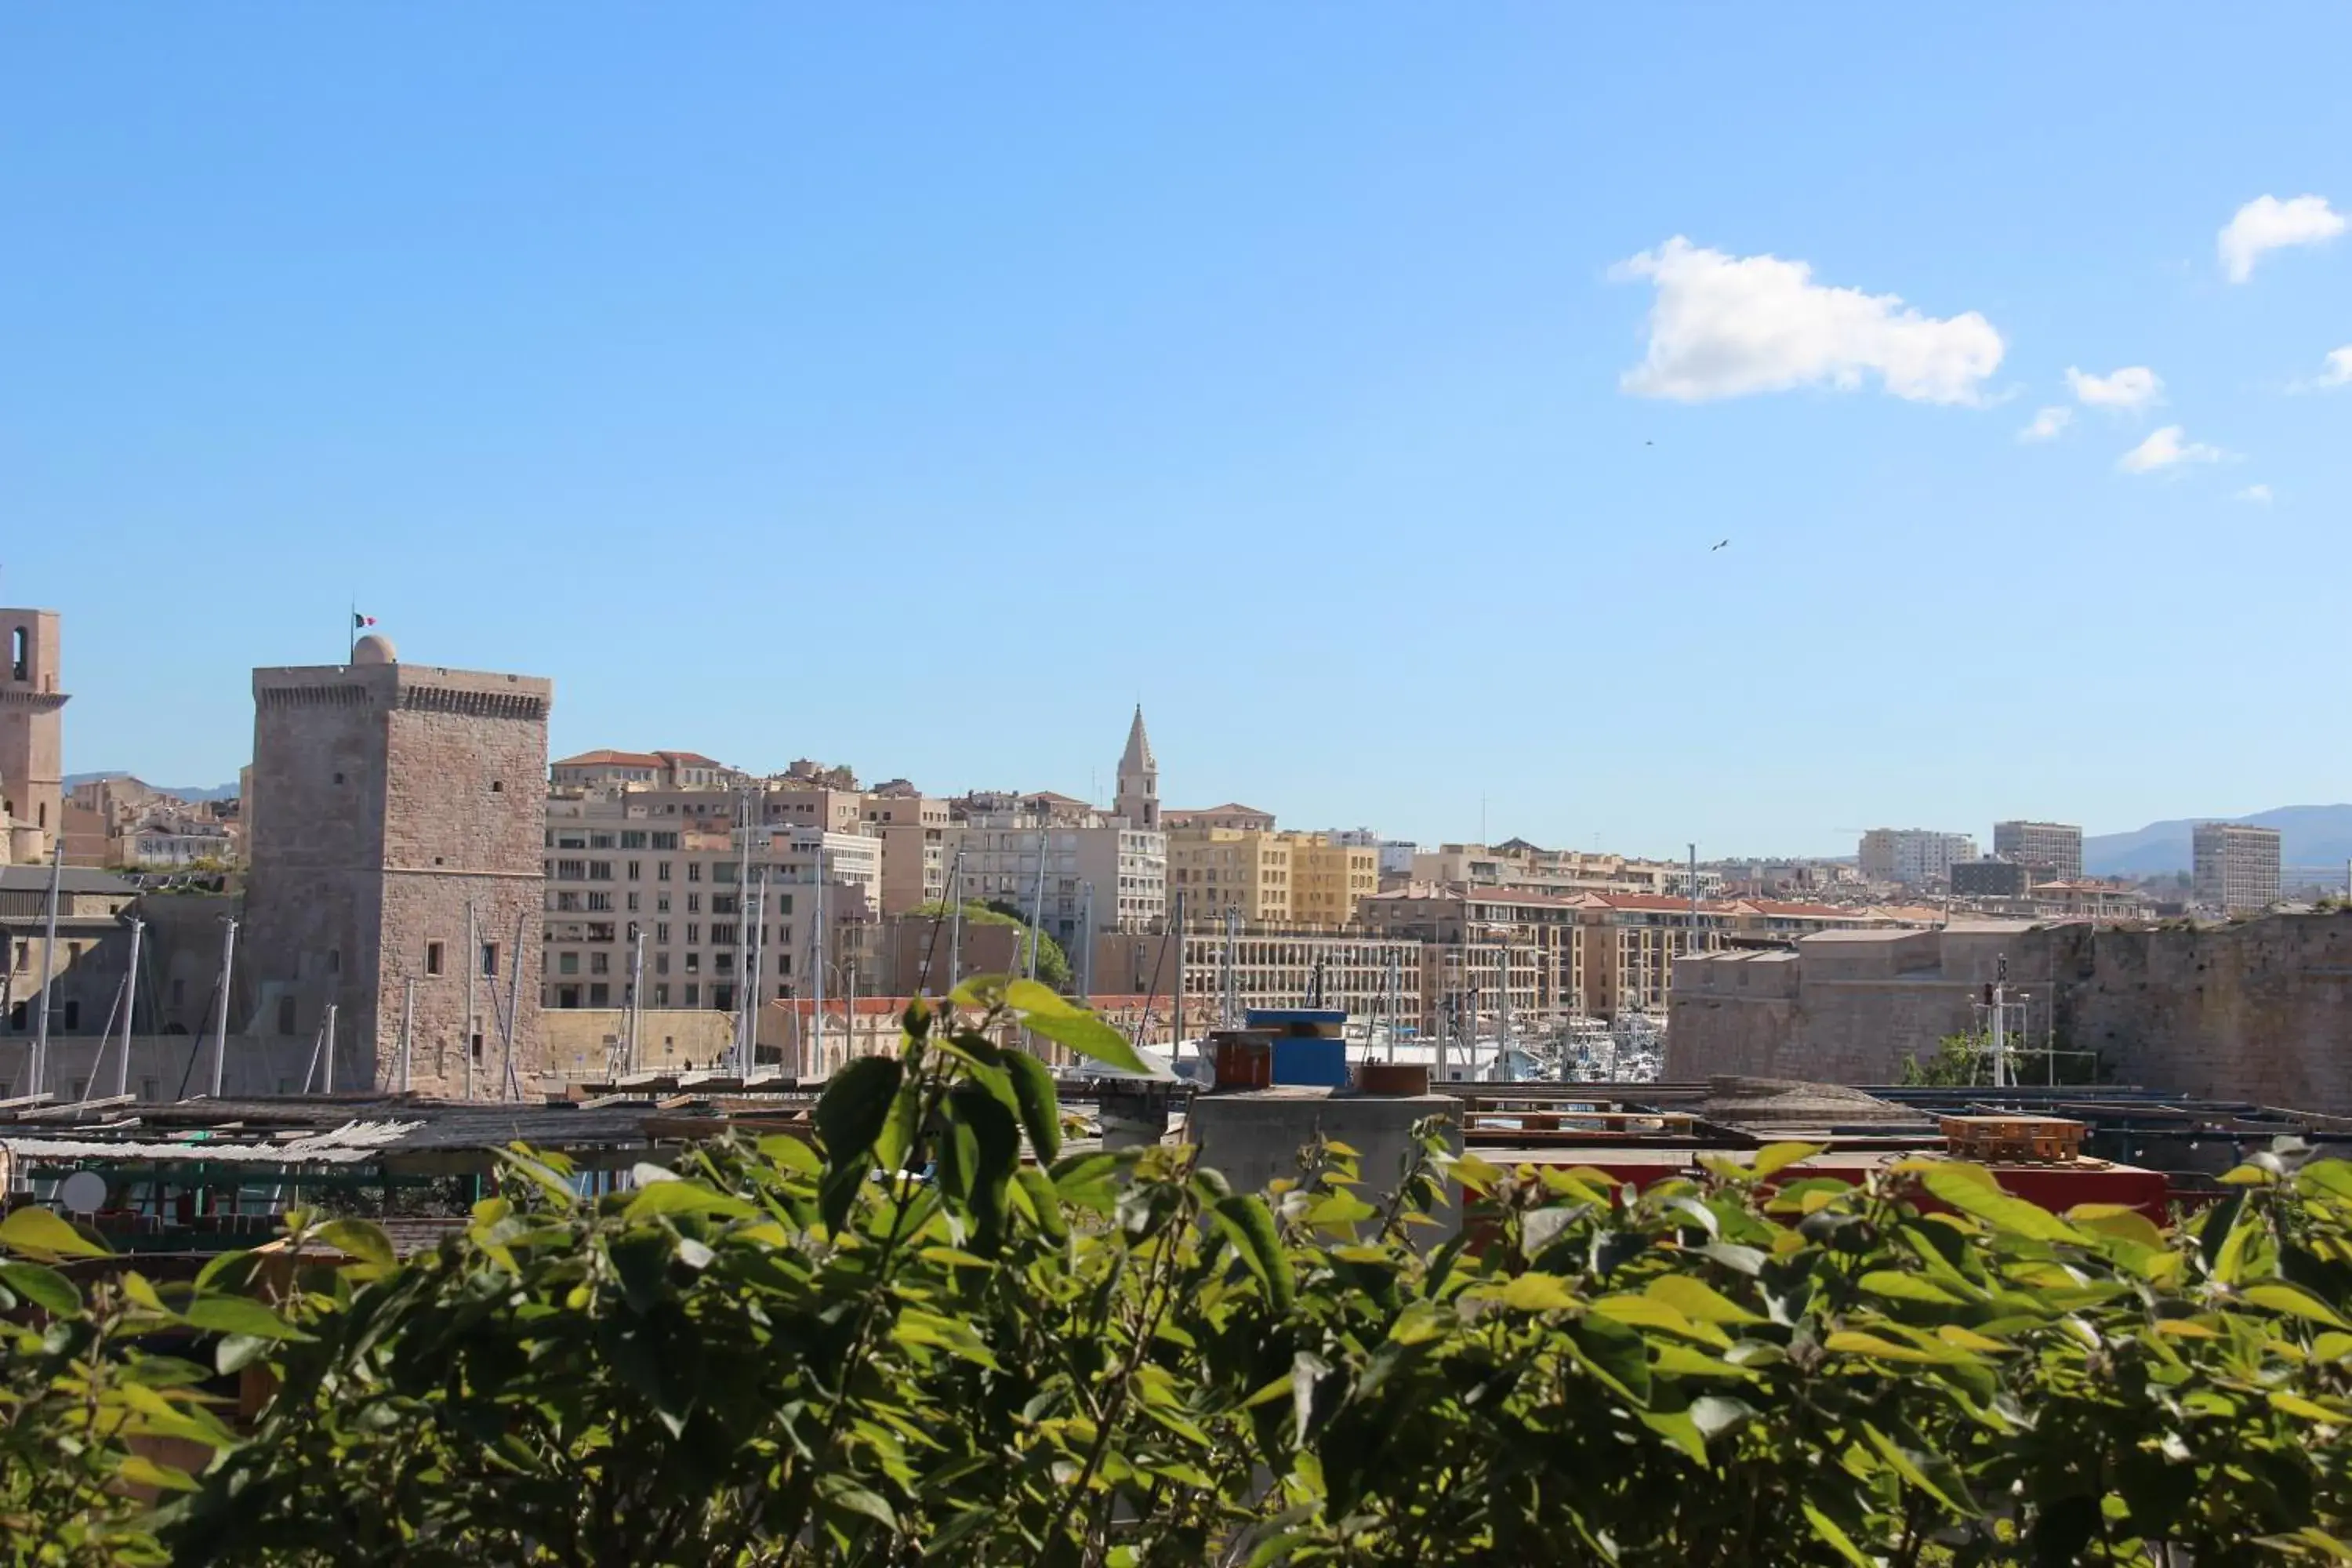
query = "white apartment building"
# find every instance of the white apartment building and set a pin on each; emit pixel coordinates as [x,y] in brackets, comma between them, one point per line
[614,875]
[1915,857]
[1099,875]
[2236,867]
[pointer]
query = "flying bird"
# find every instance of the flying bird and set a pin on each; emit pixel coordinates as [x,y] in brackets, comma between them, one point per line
[1713,548]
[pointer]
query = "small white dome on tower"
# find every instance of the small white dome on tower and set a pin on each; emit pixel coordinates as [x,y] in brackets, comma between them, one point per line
[374,649]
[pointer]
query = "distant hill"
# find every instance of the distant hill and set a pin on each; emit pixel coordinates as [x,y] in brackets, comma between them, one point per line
[2308,836]
[185,792]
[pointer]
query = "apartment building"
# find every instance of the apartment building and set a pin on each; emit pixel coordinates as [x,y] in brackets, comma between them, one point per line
[914,831]
[651,769]
[1520,865]
[1914,857]
[1994,879]
[1233,813]
[2235,866]
[1099,873]
[1270,878]
[1540,933]
[612,875]
[1225,974]
[2052,851]
[1631,941]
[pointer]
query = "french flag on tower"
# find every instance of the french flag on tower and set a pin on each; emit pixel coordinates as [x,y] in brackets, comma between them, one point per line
[361,622]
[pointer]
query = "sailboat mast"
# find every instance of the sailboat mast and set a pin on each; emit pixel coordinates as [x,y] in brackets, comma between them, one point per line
[130,1009]
[48,961]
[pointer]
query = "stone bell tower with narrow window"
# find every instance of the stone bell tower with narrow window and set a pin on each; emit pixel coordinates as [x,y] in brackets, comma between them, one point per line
[32,733]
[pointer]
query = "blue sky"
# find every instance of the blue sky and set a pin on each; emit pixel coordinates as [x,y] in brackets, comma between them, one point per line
[920,387]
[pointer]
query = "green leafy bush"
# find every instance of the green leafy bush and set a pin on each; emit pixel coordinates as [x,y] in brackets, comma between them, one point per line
[905,1344]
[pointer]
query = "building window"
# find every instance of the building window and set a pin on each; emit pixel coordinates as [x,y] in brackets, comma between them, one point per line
[724,998]
[600,994]
[432,959]
[497,787]
[567,964]
[633,903]
[693,903]
[600,963]
[661,870]
[661,931]
[693,961]
[490,959]
[693,870]
[661,964]
[20,663]
[693,995]
[636,870]
[73,1021]
[565,996]
[286,1015]
[661,995]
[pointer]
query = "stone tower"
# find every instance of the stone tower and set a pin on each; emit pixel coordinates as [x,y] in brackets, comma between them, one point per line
[32,733]
[1139,779]
[392,799]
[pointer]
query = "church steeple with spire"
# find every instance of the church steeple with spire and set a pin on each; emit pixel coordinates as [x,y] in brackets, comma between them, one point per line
[1138,778]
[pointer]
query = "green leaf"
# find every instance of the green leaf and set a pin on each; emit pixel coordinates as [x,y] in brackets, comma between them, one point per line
[1618,1355]
[1534,1292]
[235,1351]
[683,1198]
[979,1155]
[1245,1220]
[1030,998]
[1831,1535]
[238,1315]
[1040,1109]
[1677,1427]
[1909,1468]
[1900,1287]
[360,1238]
[38,1233]
[790,1153]
[1971,1195]
[1090,1036]
[2220,1221]
[141,1470]
[1848,1342]
[2287,1298]
[840,1492]
[855,1104]
[1698,1301]
[1774,1157]
[1045,1203]
[2296,1404]
[44,1288]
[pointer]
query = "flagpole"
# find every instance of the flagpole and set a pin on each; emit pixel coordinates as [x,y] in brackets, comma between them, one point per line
[352,631]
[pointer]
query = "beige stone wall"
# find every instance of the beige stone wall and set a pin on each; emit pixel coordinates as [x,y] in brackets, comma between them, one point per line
[577,1043]
[2260,1010]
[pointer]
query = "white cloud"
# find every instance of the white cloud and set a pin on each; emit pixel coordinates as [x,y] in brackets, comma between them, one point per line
[2165,449]
[2339,368]
[1725,326]
[2133,386]
[2267,223]
[2047,424]
[2258,494]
